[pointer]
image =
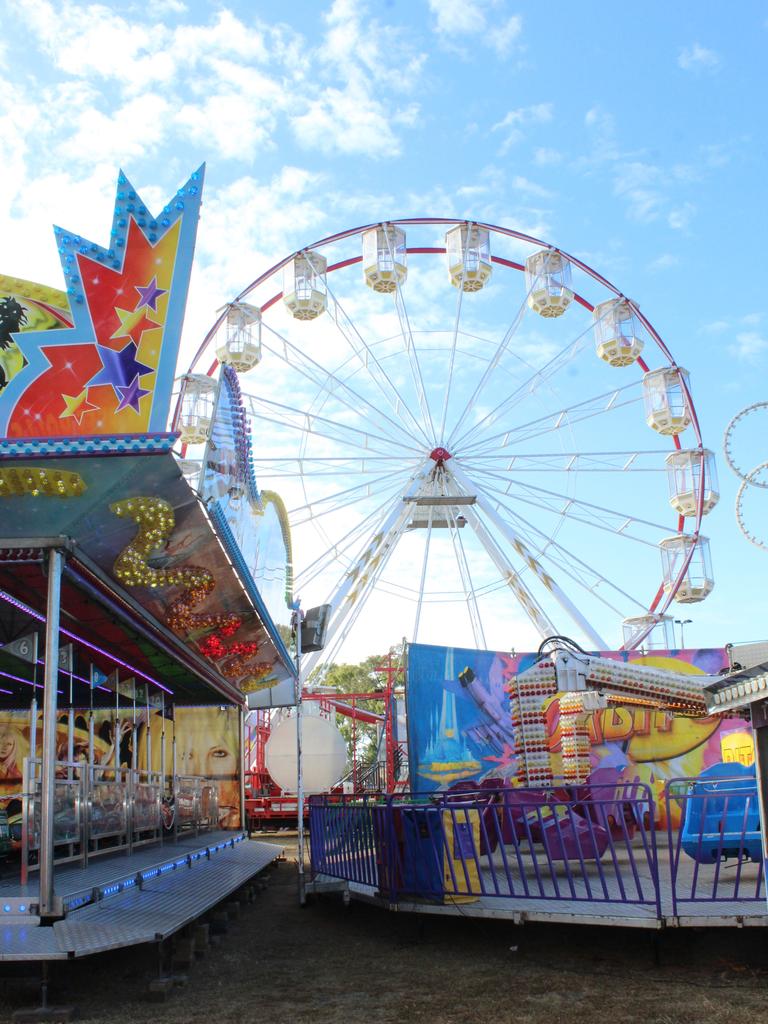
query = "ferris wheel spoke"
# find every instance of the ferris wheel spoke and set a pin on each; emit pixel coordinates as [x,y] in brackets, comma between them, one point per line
[560,419]
[423,577]
[337,550]
[413,361]
[340,500]
[529,386]
[583,579]
[451,363]
[330,383]
[570,564]
[490,368]
[563,504]
[368,361]
[569,515]
[281,415]
[291,467]
[567,462]
[470,594]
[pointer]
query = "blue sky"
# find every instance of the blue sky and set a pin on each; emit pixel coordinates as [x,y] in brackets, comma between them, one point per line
[632,136]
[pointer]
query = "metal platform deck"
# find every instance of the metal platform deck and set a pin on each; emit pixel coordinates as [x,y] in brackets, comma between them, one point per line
[612,910]
[129,900]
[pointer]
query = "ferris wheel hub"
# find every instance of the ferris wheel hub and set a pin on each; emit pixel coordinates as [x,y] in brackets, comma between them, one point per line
[440,455]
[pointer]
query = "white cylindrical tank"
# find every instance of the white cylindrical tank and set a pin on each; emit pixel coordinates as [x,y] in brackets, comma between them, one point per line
[323,754]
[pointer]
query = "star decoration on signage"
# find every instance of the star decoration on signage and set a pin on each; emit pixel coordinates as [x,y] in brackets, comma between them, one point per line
[77,406]
[119,368]
[133,323]
[149,294]
[131,395]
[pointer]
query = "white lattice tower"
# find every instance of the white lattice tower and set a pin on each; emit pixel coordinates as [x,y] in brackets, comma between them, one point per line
[528,692]
[574,733]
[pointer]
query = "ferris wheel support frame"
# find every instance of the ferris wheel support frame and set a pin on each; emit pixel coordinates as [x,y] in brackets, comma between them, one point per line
[366,570]
[512,537]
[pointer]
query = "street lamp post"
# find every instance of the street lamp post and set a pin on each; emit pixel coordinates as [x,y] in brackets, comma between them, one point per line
[682,623]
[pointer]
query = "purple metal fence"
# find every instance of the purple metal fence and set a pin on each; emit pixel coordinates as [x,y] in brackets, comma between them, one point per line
[342,841]
[565,845]
[715,856]
[591,844]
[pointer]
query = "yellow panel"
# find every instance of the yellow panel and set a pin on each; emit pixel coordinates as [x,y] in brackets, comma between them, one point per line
[467,840]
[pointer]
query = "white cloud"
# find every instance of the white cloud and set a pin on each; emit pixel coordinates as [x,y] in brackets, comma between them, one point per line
[698,58]
[715,327]
[521,184]
[638,183]
[234,81]
[663,262]
[458,17]
[481,19]
[547,157]
[340,121]
[501,39]
[138,125]
[360,62]
[748,346]
[680,217]
[512,124]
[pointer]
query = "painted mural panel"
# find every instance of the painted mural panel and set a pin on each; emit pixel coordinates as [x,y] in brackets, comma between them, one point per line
[463,731]
[207,745]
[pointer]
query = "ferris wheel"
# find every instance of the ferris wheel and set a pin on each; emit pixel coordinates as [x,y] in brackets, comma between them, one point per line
[475,423]
[757,477]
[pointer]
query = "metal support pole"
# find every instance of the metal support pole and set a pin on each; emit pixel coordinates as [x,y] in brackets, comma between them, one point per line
[243,818]
[33,728]
[759,712]
[389,728]
[299,765]
[173,784]
[48,759]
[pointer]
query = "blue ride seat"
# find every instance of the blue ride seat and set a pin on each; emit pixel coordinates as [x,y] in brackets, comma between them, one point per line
[722,815]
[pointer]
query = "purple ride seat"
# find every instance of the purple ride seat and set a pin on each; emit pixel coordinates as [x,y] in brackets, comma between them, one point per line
[608,802]
[532,815]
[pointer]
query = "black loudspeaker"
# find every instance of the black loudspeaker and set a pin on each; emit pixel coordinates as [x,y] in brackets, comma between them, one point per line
[314,628]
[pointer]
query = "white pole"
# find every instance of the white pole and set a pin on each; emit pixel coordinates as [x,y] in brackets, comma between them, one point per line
[299,773]
[48,755]
[243,817]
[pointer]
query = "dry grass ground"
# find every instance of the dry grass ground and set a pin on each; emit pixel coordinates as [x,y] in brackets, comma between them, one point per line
[324,964]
